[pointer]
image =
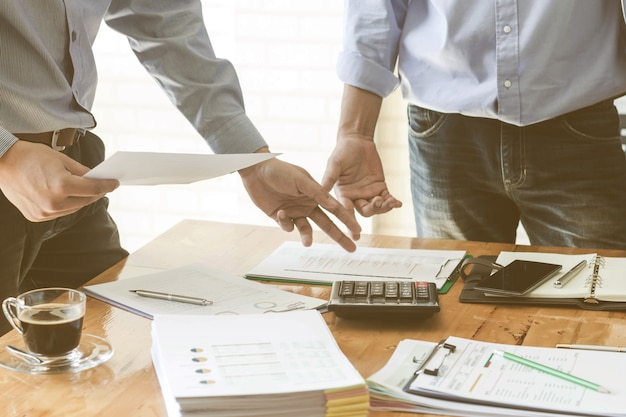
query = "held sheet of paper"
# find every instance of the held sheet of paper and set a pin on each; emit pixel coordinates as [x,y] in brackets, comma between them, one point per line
[153,168]
[473,373]
[325,263]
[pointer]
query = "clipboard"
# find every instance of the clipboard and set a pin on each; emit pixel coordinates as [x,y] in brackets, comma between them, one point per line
[460,376]
[323,264]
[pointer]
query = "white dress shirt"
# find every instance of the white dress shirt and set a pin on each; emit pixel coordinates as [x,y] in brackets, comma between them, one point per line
[521,62]
[48,73]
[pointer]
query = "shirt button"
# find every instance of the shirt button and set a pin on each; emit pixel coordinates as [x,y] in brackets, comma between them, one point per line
[74,36]
[506,29]
[507,83]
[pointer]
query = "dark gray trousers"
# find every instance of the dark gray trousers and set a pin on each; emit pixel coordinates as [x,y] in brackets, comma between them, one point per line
[65,252]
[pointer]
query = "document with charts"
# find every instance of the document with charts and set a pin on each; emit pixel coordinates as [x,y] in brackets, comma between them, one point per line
[230,294]
[255,365]
[470,380]
[324,263]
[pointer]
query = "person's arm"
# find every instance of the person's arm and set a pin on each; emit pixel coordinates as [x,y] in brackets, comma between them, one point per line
[171,41]
[354,167]
[366,66]
[35,96]
[371,39]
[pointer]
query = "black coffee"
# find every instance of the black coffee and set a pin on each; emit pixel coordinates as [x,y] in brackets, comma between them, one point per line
[52,332]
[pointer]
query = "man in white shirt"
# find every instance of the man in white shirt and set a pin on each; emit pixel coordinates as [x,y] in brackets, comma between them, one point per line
[511,116]
[55,228]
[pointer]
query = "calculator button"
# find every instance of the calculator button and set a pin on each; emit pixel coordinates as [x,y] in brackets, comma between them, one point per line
[421,290]
[361,291]
[406,292]
[391,291]
[377,289]
[346,289]
[377,292]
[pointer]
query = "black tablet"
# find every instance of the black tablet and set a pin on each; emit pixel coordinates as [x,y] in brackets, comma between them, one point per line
[518,277]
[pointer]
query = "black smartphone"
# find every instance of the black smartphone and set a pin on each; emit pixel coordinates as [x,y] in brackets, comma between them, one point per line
[518,277]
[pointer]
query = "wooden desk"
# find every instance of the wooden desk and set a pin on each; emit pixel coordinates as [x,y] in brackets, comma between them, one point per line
[127,386]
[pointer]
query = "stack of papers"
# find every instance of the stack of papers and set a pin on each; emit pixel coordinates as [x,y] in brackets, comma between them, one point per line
[254,365]
[471,380]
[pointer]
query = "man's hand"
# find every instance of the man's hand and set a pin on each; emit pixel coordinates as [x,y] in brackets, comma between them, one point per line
[289,195]
[45,184]
[354,168]
[355,171]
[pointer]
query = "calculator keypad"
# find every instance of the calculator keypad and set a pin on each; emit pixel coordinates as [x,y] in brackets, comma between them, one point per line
[360,298]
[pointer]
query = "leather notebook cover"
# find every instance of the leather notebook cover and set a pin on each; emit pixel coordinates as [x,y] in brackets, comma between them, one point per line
[478,272]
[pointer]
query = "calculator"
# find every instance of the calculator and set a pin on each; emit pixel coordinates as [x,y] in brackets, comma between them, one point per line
[381,299]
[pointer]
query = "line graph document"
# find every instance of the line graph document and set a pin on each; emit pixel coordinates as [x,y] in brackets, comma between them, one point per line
[230,294]
[325,263]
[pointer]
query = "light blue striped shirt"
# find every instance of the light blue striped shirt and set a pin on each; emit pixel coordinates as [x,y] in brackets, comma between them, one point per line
[521,62]
[48,73]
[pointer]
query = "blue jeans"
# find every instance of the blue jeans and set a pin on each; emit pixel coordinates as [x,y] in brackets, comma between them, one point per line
[564,179]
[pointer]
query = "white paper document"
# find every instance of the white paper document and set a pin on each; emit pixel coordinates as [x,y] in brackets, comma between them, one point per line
[294,351]
[325,263]
[255,365]
[153,168]
[230,294]
[472,381]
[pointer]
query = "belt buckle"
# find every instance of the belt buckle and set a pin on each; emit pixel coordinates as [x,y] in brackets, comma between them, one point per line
[55,137]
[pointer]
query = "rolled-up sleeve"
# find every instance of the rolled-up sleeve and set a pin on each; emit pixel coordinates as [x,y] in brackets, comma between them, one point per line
[372,30]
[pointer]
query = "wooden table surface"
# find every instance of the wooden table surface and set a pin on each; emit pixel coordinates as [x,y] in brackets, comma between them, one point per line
[126,385]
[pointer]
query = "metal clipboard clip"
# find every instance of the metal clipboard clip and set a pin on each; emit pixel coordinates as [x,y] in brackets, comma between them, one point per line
[444,269]
[436,358]
[493,266]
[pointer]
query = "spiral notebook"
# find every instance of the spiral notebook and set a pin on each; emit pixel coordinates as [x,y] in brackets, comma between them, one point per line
[600,286]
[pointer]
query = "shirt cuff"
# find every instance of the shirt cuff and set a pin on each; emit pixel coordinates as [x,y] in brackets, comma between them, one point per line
[6,140]
[361,72]
[238,135]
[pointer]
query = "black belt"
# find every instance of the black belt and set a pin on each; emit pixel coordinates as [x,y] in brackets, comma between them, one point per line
[58,139]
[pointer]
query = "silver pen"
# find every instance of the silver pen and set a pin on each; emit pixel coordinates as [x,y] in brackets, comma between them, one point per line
[173,297]
[559,283]
[592,347]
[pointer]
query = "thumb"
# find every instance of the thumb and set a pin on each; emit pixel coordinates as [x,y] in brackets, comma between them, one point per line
[74,167]
[330,177]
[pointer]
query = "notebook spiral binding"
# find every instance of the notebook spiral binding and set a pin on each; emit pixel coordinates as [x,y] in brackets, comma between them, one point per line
[594,280]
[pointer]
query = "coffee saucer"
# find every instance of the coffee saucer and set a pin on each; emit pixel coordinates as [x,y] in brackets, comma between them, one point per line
[91,352]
